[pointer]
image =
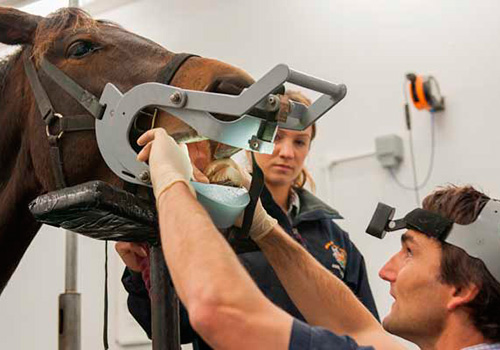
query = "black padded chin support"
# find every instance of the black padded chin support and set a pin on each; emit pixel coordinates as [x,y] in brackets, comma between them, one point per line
[100,211]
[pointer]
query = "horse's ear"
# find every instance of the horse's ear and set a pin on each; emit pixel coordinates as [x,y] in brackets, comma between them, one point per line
[17,27]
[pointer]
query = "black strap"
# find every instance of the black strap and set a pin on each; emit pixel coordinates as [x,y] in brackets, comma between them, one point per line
[50,118]
[78,123]
[43,102]
[168,72]
[57,164]
[255,190]
[106,301]
[83,122]
[85,98]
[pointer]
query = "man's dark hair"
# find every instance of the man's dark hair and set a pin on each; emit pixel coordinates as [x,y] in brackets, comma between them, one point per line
[463,205]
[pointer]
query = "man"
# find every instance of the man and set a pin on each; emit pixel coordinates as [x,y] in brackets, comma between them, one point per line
[434,308]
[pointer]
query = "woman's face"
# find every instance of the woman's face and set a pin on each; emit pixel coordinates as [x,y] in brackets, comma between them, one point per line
[290,151]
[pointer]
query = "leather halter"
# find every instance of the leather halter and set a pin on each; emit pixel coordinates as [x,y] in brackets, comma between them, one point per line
[86,99]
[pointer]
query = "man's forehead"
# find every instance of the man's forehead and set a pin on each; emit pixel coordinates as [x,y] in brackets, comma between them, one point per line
[408,237]
[417,238]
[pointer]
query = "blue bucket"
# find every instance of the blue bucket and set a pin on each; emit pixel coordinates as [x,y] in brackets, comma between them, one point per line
[224,204]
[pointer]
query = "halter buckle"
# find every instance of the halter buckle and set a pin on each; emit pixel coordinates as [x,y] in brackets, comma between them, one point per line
[47,127]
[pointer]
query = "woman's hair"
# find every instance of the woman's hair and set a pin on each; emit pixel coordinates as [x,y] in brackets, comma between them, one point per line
[463,206]
[304,175]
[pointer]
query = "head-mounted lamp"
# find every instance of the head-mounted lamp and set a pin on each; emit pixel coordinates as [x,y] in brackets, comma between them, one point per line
[480,239]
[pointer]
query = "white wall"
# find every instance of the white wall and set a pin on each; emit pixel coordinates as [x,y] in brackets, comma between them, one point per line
[369,45]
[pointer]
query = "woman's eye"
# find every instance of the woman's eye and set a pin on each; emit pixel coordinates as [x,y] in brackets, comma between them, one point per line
[81,49]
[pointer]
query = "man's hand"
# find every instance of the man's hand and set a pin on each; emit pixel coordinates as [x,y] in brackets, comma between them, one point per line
[133,255]
[169,162]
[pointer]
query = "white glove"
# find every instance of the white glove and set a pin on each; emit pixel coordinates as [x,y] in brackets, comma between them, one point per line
[169,162]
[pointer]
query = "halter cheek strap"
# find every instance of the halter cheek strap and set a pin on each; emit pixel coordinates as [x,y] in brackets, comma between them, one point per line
[52,119]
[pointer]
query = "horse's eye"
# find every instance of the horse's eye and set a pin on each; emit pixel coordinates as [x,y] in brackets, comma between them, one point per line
[81,49]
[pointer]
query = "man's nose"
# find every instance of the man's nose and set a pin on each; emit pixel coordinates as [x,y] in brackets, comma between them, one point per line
[389,271]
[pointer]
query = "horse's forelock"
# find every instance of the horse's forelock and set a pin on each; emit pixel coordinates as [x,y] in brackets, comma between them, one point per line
[52,26]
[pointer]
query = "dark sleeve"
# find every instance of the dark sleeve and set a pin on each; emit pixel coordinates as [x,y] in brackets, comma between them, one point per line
[305,337]
[139,306]
[357,279]
[138,302]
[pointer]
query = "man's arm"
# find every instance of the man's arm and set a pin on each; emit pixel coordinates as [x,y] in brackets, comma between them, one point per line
[321,297]
[225,306]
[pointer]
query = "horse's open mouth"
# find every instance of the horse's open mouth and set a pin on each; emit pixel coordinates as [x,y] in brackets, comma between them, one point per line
[201,151]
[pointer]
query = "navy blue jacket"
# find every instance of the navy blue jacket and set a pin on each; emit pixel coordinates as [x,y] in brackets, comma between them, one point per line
[315,228]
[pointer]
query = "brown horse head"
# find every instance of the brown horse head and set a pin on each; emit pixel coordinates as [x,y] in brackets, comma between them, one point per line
[92,53]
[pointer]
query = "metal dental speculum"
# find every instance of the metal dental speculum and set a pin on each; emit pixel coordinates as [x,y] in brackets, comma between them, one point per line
[480,239]
[195,108]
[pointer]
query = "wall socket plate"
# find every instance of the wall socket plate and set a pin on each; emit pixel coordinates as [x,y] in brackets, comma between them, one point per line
[389,150]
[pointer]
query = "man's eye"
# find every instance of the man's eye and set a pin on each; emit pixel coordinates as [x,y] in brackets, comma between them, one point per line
[81,49]
[408,252]
[300,143]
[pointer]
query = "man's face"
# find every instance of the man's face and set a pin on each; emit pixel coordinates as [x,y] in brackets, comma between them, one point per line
[420,298]
[290,151]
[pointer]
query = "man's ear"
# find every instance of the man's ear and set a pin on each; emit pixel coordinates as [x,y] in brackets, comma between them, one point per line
[17,27]
[462,295]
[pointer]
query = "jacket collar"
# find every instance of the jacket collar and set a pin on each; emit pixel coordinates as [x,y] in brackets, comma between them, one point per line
[312,208]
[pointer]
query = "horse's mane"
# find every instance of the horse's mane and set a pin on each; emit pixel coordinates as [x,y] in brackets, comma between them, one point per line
[8,124]
[6,64]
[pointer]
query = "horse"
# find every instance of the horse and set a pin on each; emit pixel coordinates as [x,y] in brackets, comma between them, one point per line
[92,53]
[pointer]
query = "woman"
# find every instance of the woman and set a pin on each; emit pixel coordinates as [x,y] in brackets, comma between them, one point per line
[300,213]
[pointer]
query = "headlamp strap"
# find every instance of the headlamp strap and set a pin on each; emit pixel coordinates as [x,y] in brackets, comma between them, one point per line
[430,223]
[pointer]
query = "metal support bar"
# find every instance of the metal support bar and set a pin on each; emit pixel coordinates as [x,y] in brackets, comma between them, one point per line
[69,301]
[69,321]
[164,304]
[71,271]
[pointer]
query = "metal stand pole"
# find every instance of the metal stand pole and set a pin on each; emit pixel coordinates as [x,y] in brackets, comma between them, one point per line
[69,301]
[164,304]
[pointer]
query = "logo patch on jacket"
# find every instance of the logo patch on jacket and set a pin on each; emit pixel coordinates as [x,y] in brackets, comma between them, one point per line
[340,257]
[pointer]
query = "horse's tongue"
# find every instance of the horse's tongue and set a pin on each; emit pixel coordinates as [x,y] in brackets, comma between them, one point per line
[200,154]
